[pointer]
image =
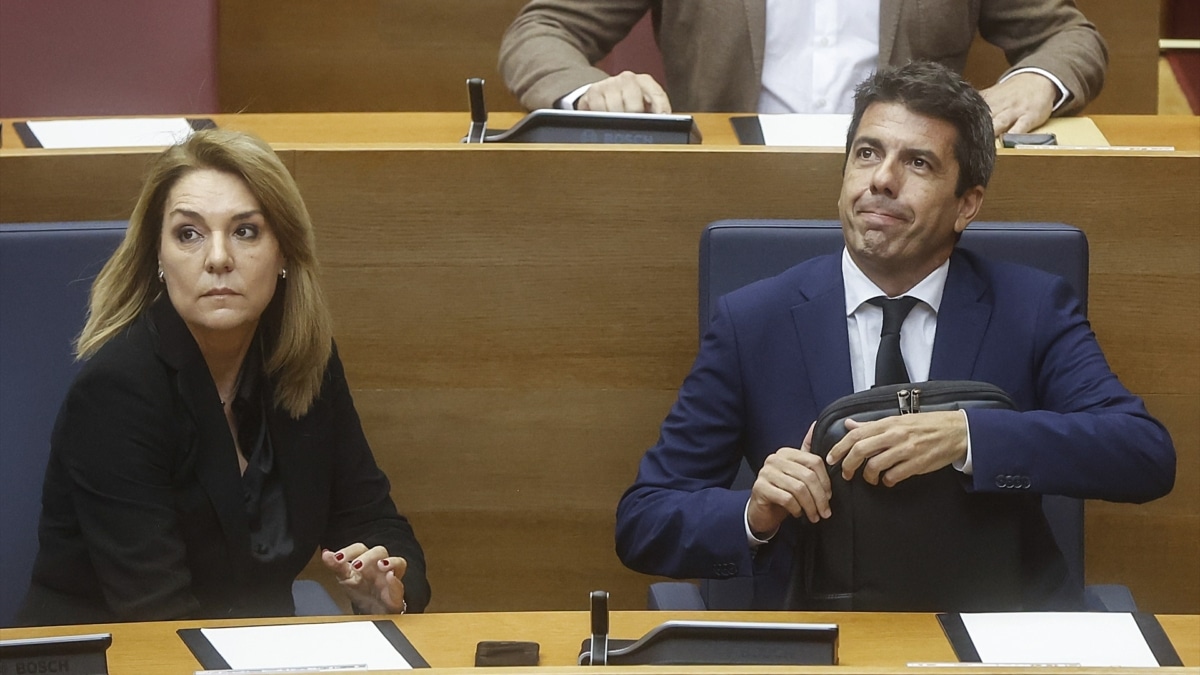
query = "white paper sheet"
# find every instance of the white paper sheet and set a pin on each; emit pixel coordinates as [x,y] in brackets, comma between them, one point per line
[1090,639]
[135,132]
[821,131]
[829,131]
[305,646]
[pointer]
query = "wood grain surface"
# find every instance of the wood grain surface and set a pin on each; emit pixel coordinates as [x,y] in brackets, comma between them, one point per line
[515,322]
[868,642]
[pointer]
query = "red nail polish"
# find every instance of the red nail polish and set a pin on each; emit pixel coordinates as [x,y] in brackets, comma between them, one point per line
[357,565]
[385,562]
[340,557]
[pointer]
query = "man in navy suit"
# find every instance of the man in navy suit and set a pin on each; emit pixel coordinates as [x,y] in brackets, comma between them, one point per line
[919,154]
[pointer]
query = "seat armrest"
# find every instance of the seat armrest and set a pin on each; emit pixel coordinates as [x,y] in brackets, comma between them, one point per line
[312,600]
[1108,598]
[674,596]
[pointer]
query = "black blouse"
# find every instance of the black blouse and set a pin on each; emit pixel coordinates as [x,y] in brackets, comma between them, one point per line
[266,507]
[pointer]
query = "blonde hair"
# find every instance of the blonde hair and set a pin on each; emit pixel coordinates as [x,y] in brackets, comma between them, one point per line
[298,334]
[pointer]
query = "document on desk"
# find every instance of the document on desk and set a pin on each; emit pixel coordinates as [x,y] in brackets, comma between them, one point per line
[814,131]
[123,132]
[1088,639]
[829,131]
[308,647]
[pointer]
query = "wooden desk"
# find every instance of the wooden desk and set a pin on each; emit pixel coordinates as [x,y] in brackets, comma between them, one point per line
[418,128]
[876,642]
[508,315]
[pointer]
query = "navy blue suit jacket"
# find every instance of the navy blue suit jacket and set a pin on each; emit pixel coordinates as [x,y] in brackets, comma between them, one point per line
[776,353]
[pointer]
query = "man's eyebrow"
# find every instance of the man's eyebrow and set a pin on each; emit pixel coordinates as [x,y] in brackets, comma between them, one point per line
[867,140]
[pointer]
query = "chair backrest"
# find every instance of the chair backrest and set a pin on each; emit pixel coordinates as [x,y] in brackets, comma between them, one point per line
[46,271]
[734,253]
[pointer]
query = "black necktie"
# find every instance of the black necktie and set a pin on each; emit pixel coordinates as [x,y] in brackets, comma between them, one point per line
[889,362]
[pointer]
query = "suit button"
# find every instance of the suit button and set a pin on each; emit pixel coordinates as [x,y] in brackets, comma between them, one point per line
[724,570]
[1025,482]
[1001,482]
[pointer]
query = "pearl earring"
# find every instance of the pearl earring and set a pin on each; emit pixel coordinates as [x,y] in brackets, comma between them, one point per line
[283,273]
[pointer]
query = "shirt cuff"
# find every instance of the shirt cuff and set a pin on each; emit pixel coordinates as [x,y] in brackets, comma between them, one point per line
[1064,94]
[752,540]
[965,466]
[568,102]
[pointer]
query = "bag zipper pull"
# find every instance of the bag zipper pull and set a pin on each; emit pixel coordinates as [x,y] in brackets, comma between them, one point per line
[902,401]
[914,401]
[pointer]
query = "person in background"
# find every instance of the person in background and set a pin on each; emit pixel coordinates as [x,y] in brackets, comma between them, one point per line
[209,446]
[919,155]
[785,56]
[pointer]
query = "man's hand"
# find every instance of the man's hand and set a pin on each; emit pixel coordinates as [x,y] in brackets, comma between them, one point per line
[1021,103]
[626,92]
[902,446]
[792,482]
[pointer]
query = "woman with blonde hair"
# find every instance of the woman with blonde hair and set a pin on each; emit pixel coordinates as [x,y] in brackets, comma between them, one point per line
[209,445]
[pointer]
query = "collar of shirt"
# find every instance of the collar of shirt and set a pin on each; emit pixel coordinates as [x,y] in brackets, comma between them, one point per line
[864,321]
[816,52]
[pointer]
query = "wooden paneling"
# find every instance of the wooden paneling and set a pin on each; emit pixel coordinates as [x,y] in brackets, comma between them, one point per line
[515,322]
[106,186]
[46,186]
[530,351]
[500,483]
[1130,27]
[1135,548]
[1131,544]
[360,55]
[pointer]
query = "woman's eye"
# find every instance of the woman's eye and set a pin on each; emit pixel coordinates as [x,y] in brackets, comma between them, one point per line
[187,234]
[246,231]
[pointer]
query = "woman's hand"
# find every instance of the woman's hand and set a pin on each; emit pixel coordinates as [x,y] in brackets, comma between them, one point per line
[371,577]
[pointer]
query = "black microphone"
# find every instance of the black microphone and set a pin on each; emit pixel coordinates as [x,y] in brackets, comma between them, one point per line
[599,628]
[479,114]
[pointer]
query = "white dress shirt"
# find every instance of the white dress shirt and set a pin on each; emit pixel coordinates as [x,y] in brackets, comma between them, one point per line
[816,52]
[864,322]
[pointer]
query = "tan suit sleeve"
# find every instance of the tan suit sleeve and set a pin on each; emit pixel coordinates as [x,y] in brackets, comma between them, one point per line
[549,49]
[1052,35]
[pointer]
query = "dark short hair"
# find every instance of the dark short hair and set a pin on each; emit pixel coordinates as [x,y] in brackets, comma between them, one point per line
[933,90]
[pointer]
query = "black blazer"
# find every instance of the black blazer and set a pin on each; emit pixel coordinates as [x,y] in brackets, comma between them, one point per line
[142,506]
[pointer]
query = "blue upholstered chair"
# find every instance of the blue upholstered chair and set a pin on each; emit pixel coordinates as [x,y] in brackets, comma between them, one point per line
[734,253]
[46,271]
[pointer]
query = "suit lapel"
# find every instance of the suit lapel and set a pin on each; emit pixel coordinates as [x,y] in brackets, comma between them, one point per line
[962,322]
[216,462]
[756,24]
[820,320]
[889,23]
